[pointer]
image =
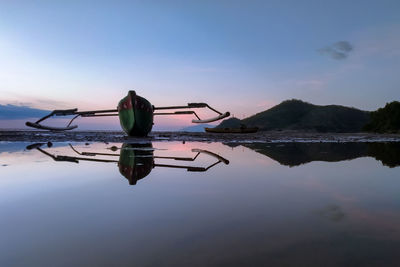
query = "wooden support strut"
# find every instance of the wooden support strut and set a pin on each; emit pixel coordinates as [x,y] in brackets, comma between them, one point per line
[193,105]
[67,112]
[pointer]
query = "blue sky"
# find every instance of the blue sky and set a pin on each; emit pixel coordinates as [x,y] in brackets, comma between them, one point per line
[241,56]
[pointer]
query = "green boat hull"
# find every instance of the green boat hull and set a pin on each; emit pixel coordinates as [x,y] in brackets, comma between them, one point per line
[135,115]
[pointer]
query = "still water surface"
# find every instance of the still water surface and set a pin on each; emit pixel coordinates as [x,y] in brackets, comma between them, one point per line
[235,205]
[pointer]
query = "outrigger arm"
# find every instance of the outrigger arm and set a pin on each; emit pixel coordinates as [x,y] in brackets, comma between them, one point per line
[193,105]
[67,112]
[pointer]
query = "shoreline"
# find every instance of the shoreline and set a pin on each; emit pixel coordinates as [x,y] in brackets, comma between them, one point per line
[259,137]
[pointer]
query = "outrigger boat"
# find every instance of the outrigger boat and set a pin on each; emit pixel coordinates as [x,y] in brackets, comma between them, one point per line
[135,162]
[136,115]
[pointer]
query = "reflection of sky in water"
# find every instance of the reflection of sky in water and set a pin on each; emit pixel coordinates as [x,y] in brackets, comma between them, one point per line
[253,211]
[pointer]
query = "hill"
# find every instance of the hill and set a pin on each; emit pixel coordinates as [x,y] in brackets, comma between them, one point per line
[298,115]
[386,119]
[230,123]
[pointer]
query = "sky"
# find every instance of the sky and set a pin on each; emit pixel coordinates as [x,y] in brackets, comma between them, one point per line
[238,56]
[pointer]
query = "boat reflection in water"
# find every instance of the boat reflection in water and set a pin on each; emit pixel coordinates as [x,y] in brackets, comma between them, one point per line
[136,160]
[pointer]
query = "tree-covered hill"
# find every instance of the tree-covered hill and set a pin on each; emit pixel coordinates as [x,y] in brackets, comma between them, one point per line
[299,115]
[386,119]
[230,123]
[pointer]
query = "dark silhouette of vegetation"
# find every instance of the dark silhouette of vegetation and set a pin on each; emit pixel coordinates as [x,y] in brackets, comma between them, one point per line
[386,119]
[298,115]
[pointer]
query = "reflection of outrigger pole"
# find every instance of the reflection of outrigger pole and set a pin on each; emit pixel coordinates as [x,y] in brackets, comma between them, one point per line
[135,113]
[64,158]
[134,162]
[189,168]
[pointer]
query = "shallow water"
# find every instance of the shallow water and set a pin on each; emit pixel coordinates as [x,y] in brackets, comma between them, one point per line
[260,204]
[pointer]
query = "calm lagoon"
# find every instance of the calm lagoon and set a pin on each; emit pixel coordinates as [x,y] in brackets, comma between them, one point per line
[200,204]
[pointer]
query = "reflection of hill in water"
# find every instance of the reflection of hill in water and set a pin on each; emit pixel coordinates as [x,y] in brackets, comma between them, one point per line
[294,154]
[387,153]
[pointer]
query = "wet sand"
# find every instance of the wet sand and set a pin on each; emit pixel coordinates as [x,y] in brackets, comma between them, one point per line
[262,137]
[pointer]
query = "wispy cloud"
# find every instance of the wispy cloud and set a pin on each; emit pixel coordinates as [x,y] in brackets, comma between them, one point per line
[339,50]
[343,46]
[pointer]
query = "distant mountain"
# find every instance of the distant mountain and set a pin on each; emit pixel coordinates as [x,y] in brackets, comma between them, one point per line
[298,115]
[230,123]
[386,119]
[10,112]
[197,128]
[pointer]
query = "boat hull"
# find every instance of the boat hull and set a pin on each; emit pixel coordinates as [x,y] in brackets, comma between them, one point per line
[135,115]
